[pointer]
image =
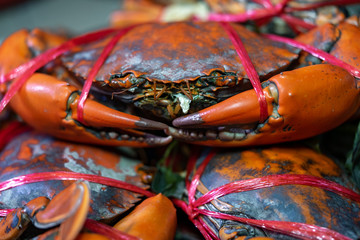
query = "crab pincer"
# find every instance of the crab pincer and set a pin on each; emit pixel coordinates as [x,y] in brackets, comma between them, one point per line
[50,104]
[68,209]
[287,95]
[53,108]
[300,103]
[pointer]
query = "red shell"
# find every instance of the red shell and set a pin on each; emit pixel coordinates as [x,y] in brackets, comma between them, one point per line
[175,52]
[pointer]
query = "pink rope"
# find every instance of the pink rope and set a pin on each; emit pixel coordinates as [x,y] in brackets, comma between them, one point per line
[294,229]
[268,11]
[92,225]
[317,53]
[299,230]
[276,180]
[4,212]
[320,4]
[63,175]
[25,71]
[105,230]
[250,15]
[95,69]
[249,69]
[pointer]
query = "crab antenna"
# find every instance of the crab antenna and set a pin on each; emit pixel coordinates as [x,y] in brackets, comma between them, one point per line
[154,88]
[188,85]
[161,92]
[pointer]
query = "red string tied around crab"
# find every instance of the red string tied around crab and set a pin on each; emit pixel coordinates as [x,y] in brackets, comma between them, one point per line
[269,10]
[249,68]
[294,229]
[73,176]
[327,57]
[16,128]
[23,72]
[95,69]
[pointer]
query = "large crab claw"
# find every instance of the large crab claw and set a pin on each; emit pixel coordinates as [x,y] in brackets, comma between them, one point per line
[68,209]
[301,103]
[50,105]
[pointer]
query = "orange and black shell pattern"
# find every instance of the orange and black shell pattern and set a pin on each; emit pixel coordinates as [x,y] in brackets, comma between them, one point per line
[32,152]
[178,62]
[291,203]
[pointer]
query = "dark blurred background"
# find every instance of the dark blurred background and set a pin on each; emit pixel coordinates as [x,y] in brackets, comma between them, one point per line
[75,16]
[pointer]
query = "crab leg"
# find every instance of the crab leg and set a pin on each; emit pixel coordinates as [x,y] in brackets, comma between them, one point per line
[71,218]
[68,209]
[296,108]
[16,222]
[112,118]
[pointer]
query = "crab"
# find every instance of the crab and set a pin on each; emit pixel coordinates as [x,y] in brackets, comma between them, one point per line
[177,83]
[45,213]
[278,191]
[35,153]
[280,17]
[56,189]
[66,217]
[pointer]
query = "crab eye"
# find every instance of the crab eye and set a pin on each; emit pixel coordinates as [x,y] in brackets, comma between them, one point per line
[229,81]
[223,79]
[123,82]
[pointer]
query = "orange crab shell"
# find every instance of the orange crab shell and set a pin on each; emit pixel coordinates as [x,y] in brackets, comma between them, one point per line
[33,152]
[292,203]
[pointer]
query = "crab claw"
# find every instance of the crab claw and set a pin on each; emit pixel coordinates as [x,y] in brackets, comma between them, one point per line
[17,221]
[301,103]
[50,105]
[69,209]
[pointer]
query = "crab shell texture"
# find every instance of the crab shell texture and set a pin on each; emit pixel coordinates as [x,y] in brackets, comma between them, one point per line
[33,152]
[293,203]
[196,57]
[179,68]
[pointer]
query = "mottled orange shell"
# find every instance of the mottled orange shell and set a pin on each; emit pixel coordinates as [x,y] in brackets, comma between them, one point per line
[175,52]
[33,153]
[293,203]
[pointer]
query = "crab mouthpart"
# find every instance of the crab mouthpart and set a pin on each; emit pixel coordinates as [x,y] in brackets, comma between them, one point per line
[222,134]
[135,136]
[107,124]
[129,135]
